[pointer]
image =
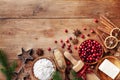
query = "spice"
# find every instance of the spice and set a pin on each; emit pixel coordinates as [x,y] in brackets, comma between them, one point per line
[77,32]
[43,69]
[40,52]
[75,41]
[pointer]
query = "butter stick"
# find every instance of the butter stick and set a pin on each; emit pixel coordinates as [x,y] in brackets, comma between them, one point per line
[109,69]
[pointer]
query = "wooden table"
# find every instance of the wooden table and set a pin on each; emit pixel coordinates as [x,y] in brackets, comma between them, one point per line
[37,23]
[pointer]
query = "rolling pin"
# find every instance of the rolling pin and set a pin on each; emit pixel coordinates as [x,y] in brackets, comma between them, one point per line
[77,65]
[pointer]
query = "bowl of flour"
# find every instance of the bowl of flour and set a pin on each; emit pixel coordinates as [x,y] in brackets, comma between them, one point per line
[43,68]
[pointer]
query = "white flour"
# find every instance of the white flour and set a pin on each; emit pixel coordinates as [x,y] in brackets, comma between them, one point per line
[43,69]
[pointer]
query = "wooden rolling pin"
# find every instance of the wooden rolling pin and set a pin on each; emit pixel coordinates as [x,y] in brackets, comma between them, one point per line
[77,65]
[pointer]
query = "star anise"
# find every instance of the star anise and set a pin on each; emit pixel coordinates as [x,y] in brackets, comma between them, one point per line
[26,55]
[75,41]
[77,32]
[40,52]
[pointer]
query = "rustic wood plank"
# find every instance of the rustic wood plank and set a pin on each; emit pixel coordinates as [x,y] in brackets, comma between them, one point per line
[59,8]
[35,33]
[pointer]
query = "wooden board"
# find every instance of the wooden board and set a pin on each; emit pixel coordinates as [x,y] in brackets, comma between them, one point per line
[37,23]
[59,8]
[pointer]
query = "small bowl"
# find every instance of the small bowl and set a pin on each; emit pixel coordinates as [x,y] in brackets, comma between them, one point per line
[100,55]
[102,75]
[33,76]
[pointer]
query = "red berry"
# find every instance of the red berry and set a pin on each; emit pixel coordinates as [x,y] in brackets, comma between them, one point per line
[61,41]
[70,51]
[68,63]
[69,45]
[95,20]
[88,35]
[75,47]
[67,41]
[66,31]
[49,49]
[92,31]
[82,36]
[55,41]
[70,38]
[84,28]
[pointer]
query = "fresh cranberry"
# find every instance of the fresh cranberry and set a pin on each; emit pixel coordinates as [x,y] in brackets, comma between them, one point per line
[92,31]
[75,47]
[84,28]
[66,31]
[70,51]
[69,45]
[82,36]
[55,41]
[88,35]
[70,38]
[67,41]
[61,41]
[49,49]
[96,20]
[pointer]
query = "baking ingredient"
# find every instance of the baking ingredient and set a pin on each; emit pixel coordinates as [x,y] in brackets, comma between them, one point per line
[96,20]
[55,41]
[59,59]
[90,51]
[77,32]
[112,71]
[82,36]
[75,41]
[49,49]
[92,31]
[111,42]
[40,52]
[43,69]
[115,32]
[66,31]
[70,38]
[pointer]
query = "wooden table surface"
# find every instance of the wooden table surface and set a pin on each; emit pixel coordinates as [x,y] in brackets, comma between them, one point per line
[37,23]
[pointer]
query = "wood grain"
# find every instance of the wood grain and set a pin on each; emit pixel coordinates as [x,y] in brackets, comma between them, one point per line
[59,8]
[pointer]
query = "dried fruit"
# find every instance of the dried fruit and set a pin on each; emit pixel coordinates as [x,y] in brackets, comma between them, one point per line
[40,52]
[90,51]
[115,32]
[75,41]
[77,32]
[111,42]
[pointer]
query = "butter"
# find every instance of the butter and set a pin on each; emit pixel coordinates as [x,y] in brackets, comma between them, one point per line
[109,68]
